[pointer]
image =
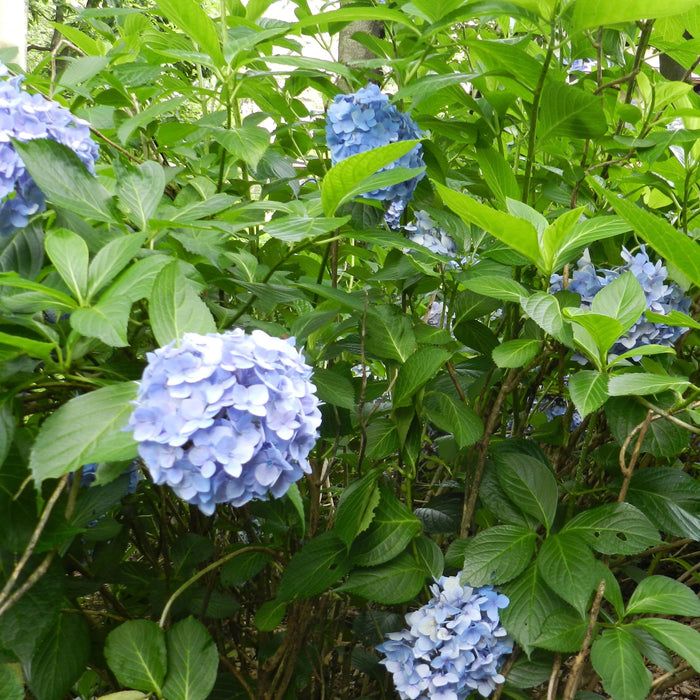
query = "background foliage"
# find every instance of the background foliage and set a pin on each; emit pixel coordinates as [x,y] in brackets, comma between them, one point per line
[461,430]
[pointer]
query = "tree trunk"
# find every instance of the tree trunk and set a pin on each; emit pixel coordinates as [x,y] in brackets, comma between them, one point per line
[13,29]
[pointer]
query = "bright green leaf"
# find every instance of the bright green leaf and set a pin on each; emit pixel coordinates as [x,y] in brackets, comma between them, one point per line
[69,255]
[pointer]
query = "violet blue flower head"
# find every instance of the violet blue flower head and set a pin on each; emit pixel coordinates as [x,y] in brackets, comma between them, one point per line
[454,645]
[26,117]
[424,231]
[226,418]
[661,295]
[365,120]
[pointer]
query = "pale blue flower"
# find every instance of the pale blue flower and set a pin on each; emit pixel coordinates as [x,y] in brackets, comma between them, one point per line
[454,645]
[25,117]
[661,296]
[365,120]
[226,418]
[424,231]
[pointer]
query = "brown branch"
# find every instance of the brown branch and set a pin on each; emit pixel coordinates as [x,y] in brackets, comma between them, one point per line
[627,468]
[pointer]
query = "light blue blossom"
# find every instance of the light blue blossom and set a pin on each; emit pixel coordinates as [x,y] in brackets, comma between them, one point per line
[424,231]
[661,296]
[365,120]
[25,117]
[226,418]
[454,645]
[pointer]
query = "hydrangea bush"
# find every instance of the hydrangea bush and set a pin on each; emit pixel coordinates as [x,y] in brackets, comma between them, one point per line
[365,120]
[253,523]
[225,418]
[454,644]
[25,117]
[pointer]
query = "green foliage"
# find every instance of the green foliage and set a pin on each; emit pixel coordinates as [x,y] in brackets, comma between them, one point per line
[473,420]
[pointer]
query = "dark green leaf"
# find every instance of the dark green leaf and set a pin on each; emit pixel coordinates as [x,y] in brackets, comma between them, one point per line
[569,112]
[314,568]
[614,528]
[441,515]
[392,528]
[429,556]
[111,259]
[246,143]
[11,688]
[136,654]
[453,416]
[680,638]
[356,507]
[193,661]
[176,308]
[89,428]
[564,630]
[333,387]
[382,438]
[621,667]
[242,568]
[76,190]
[141,189]
[664,596]
[270,615]
[389,333]
[495,555]
[59,658]
[421,366]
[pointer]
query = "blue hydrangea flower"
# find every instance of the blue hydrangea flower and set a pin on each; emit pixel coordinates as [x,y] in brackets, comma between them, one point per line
[226,418]
[365,120]
[661,295]
[26,117]
[454,645]
[424,231]
[555,406]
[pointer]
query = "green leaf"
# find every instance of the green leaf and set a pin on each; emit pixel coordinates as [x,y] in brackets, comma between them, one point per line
[298,228]
[140,190]
[136,282]
[511,230]
[623,299]
[669,497]
[531,603]
[673,318]
[382,438]
[106,320]
[242,568]
[176,308]
[614,528]
[642,351]
[389,333]
[69,255]
[663,438]
[529,484]
[111,260]
[33,348]
[314,568]
[246,143]
[664,596]
[569,112]
[516,353]
[136,654]
[441,515]
[564,631]
[421,366]
[498,174]
[59,658]
[672,245]
[429,556]
[23,252]
[567,565]
[7,429]
[682,639]
[594,13]
[586,232]
[392,528]
[146,116]
[76,189]
[333,387]
[502,288]
[603,330]
[270,615]
[89,428]
[452,415]
[495,555]
[643,383]
[588,390]
[193,661]
[621,667]
[394,582]
[194,21]
[10,686]
[344,177]
[543,309]
[356,507]
[554,235]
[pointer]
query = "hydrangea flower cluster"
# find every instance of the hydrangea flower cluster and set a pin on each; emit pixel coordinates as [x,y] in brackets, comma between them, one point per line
[454,644]
[424,231]
[555,406]
[365,120]
[226,418]
[661,295]
[26,117]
